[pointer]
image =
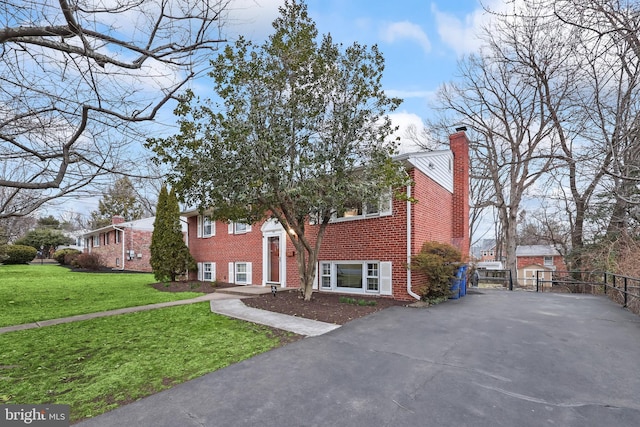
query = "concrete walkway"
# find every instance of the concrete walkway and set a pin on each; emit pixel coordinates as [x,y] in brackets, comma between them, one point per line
[225,301]
[299,325]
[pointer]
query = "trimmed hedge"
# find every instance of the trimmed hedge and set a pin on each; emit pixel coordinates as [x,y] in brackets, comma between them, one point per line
[66,256]
[437,264]
[87,261]
[20,254]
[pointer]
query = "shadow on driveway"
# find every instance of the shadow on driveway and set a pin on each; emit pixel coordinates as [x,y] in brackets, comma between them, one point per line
[491,359]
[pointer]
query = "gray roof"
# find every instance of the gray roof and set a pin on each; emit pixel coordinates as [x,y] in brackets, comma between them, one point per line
[536,250]
[144,224]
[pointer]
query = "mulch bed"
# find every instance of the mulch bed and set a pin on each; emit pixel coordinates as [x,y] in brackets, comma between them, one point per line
[325,307]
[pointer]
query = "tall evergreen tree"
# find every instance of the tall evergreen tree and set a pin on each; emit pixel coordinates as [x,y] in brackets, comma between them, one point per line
[121,199]
[170,255]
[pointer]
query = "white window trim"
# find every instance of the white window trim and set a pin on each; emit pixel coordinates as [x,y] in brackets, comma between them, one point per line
[544,260]
[212,271]
[201,227]
[385,208]
[233,228]
[233,273]
[367,277]
[384,277]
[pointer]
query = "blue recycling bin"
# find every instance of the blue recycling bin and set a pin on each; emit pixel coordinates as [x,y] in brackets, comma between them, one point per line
[459,283]
[455,288]
[462,274]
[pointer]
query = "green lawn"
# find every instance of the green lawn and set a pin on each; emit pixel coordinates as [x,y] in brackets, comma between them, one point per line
[29,293]
[97,365]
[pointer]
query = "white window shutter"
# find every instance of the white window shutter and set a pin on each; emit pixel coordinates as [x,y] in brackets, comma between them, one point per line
[213,271]
[385,279]
[199,232]
[232,278]
[213,227]
[249,277]
[200,270]
[248,228]
[316,280]
[230,228]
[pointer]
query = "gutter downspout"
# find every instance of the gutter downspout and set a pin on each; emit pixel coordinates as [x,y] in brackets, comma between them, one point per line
[409,291]
[122,242]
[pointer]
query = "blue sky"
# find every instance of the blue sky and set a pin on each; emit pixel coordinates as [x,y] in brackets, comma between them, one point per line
[420,40]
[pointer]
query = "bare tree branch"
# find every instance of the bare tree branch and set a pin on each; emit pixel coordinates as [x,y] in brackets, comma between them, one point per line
[80,83]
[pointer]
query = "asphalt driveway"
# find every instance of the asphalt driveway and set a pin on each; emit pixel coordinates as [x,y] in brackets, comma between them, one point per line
[492,359]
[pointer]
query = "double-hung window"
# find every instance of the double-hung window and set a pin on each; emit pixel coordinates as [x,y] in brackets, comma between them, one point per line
[241,272]
[325,275]
[548,261]
[373,277]
[206,226]
[207,271]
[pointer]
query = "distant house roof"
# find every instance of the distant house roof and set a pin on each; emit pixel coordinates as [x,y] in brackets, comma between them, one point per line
[536,250]
[144,224]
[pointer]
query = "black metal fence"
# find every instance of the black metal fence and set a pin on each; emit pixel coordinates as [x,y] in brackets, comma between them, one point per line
[622,289]
[497,277]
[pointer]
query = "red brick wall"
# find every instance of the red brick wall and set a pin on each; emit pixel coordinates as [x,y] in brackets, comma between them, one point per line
[525,261]
[111,254]
[460,147]
[377,239]
[432,217]
[224,248]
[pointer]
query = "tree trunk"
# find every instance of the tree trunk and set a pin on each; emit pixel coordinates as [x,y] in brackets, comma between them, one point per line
[510,236]
[307,268]
[307,256]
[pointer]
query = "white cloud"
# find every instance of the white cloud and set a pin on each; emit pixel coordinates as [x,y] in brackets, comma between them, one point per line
[252,18]
[405,30]
[462,34]
[406,94]
[406,121]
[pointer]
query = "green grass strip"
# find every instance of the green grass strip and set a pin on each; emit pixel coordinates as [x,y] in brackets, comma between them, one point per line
[97,365]
[30,293]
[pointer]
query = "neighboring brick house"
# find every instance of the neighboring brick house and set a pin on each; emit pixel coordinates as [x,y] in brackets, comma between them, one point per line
[541,260]
[123,245]
[365,250]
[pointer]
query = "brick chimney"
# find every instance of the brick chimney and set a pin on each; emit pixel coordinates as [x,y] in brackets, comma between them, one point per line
[459,145]
[117,219]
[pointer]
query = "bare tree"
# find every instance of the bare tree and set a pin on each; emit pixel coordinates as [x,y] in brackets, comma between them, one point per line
[611,45]
[498,98]
[79,79]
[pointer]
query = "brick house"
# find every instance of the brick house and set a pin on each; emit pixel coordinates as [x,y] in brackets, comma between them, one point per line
[365,250]
[541,260]
[123,245]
